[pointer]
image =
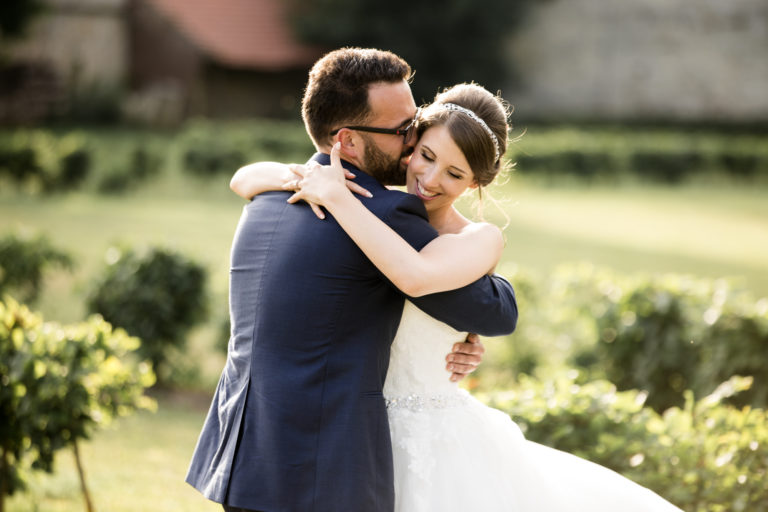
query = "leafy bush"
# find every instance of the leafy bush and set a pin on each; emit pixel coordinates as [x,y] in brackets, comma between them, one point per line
[665,167]
[208,161]
[627,154]
[206,152]
[23,262]
[59,383]
[660,334]
[577,163]
[671,333]
[140,164]
[158,297]
[704,457]
[41,161]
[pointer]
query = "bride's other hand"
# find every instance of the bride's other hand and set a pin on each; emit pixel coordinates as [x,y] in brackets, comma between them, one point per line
[465,357]
[321,184]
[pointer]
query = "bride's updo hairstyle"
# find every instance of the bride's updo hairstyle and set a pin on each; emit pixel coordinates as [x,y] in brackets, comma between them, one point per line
[477,123]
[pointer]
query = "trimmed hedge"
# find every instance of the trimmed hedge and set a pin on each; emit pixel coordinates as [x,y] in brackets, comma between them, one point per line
[660,334]
[706,456]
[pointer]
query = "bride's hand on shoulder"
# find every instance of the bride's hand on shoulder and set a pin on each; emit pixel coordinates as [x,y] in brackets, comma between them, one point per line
[323,184]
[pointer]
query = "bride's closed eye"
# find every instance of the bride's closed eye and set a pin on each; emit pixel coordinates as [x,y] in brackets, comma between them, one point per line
[428,157]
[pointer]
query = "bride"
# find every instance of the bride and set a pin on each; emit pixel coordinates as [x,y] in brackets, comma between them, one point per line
[436,427]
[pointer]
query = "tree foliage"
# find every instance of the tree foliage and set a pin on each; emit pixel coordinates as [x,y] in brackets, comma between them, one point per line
[445,42]
[24,260]
[16,15]
[59,383]
[158,297]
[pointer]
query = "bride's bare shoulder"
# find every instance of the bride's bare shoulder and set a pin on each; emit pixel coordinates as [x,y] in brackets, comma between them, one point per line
[483,232]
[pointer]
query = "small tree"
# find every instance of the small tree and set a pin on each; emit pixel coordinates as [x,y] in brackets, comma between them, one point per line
[158,298]
[23,262]
[59,383]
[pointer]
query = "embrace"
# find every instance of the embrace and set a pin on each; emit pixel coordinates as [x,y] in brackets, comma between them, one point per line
[350,331]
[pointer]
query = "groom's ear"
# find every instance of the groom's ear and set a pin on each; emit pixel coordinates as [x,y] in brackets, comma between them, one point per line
[351,144]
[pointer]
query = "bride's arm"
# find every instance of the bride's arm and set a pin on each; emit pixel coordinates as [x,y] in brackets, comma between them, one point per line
[446,263]
[253,179]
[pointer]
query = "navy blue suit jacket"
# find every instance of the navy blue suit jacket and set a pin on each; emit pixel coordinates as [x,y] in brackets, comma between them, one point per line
[298,422]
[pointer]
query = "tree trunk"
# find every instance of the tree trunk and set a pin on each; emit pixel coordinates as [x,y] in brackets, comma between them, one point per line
[86,496]
[3,476]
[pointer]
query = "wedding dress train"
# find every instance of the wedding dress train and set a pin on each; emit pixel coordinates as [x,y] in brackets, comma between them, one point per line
[452,453]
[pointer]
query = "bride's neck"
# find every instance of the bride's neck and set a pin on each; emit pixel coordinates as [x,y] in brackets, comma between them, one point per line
[447,220]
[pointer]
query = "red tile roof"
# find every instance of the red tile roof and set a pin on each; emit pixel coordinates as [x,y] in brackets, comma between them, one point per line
[239,33]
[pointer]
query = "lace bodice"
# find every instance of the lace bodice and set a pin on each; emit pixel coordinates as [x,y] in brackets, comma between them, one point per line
[417,363]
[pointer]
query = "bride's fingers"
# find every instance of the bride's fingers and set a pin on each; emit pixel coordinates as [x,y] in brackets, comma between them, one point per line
[291,185]
[336,155]
[357,189]
[317,210]
[297,169]
[298,196]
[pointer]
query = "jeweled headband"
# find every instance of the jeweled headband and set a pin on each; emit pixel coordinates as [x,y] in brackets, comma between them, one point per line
[478,120]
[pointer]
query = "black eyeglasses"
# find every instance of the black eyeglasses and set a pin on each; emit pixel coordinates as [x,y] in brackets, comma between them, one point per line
[405,132]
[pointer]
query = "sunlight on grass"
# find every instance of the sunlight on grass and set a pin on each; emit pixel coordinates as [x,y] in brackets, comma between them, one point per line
[136,465]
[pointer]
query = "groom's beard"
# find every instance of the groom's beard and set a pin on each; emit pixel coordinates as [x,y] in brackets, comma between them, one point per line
[386,169]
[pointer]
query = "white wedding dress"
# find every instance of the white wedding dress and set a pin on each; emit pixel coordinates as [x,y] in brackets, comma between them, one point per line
[452,453]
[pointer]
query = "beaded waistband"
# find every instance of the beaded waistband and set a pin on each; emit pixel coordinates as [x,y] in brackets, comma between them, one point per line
[418,403]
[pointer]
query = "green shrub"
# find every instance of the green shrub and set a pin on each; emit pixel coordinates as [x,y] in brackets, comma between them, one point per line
[18,164]
[704,457]
[41,161]
[209,161]
[207,152]
[158,297]
[661,334]
[59,383]
[24,260]
[631,153]
[574,162]
[666,167]
[670,333]
[140,165]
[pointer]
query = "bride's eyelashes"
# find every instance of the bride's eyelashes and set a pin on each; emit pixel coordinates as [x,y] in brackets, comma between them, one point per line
[430,157]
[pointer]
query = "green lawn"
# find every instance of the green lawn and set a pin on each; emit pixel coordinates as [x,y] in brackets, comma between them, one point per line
[706,231]
[137,464]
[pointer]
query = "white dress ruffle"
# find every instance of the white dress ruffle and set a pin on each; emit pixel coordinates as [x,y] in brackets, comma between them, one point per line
[452,453]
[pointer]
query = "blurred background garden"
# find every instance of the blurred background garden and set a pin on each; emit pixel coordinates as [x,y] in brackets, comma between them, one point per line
[636,220]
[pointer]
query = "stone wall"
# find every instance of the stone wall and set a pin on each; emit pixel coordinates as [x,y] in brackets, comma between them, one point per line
[680,60]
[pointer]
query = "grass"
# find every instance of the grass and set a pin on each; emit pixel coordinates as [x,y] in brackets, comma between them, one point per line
[705,231]
[137,464]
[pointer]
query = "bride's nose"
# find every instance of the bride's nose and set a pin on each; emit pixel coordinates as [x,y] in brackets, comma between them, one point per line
[430,178]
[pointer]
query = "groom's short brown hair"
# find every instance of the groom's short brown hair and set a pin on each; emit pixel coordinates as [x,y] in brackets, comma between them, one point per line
[337,90]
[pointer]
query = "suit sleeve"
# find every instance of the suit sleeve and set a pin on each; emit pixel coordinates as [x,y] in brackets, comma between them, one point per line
[487,307]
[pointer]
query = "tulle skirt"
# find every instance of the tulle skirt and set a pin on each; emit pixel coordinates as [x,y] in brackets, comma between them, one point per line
[460,455]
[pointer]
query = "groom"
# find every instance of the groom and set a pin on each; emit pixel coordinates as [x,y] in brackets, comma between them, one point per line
[298,422]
